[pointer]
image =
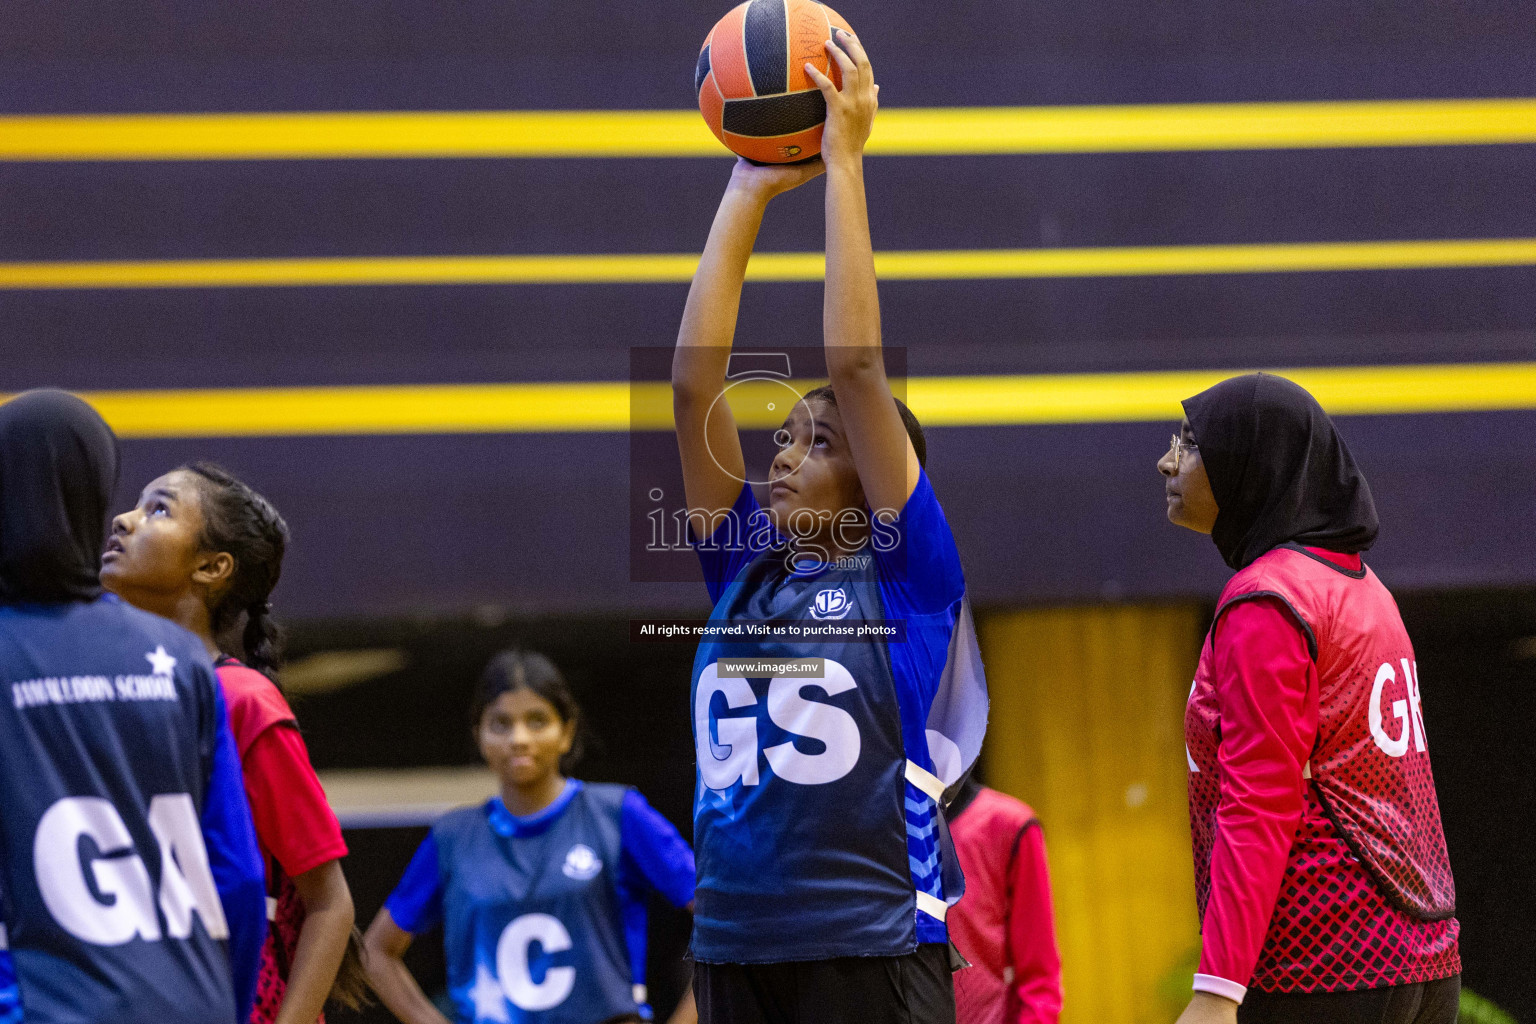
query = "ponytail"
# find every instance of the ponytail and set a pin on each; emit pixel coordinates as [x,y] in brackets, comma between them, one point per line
[241,522]
[352,990]
[262,639]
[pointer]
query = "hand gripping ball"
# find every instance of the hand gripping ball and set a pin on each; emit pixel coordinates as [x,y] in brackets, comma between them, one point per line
[751,81]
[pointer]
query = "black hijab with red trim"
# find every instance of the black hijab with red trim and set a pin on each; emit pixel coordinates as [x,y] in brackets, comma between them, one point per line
[1279,470]
[58,468]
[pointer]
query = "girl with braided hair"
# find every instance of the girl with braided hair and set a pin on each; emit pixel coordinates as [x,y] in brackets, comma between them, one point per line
[205,550]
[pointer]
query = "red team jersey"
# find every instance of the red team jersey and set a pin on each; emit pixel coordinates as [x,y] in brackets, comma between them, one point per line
[1320,863]
[1003,924]
[294,824]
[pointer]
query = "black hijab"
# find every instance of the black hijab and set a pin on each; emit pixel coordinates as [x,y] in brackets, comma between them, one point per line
[58,468]
[1279,470]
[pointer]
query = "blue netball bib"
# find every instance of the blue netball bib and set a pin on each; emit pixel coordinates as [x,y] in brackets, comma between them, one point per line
[532,924]
[816,822]
[108,717]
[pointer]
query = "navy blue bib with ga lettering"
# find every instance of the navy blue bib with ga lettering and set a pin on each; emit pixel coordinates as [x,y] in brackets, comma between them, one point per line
[532,924]
[800,828]
[107,729]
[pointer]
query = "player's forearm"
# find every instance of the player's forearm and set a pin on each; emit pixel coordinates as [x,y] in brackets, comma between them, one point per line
[1032,932]
[1037,971]
[851,314]
[1039,998]
[1247,868]
[709,319]
[384,948]
[1205,1008]
[328,920]
[398,991]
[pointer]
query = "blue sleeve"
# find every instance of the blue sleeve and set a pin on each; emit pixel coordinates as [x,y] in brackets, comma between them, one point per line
[741,536]
[655,848]
[919,564]
[238,872]
[10,995]
[417,902]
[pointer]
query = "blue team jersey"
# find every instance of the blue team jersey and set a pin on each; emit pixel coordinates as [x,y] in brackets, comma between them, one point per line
[544,916]
[816,821]
[130,877]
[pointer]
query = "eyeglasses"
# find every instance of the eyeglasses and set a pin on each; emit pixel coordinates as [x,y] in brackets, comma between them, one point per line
[1179,446]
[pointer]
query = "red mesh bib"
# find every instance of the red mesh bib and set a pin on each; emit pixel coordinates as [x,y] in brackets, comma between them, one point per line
[277,955]
[1372,789]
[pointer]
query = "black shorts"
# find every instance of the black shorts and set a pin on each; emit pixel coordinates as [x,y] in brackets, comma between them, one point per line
[1430,1002]
[911,989]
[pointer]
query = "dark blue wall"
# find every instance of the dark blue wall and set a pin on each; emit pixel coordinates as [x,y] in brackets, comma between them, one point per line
[134,55]
[405,524]
[540,523]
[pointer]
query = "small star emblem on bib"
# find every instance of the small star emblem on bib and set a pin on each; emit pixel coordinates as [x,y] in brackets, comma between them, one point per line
[160,663]
[490,1001]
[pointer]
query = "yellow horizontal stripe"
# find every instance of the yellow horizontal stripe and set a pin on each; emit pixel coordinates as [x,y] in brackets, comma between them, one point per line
[661,268]
[1204,126]
[681,133]
[364,270]
[406,409]
[1131,397]
[938,401]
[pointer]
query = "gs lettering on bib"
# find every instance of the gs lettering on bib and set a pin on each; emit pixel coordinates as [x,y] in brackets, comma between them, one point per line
[799,819]
[817,820]
[729,747]
[1370,766]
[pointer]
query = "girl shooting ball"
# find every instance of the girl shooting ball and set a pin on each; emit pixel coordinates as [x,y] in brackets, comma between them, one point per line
[822,888]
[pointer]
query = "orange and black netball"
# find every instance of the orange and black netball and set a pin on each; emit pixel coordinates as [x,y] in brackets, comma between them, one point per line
[751,82]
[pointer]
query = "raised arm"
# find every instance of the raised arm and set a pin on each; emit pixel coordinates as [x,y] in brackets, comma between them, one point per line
[712,482]
[888,466]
